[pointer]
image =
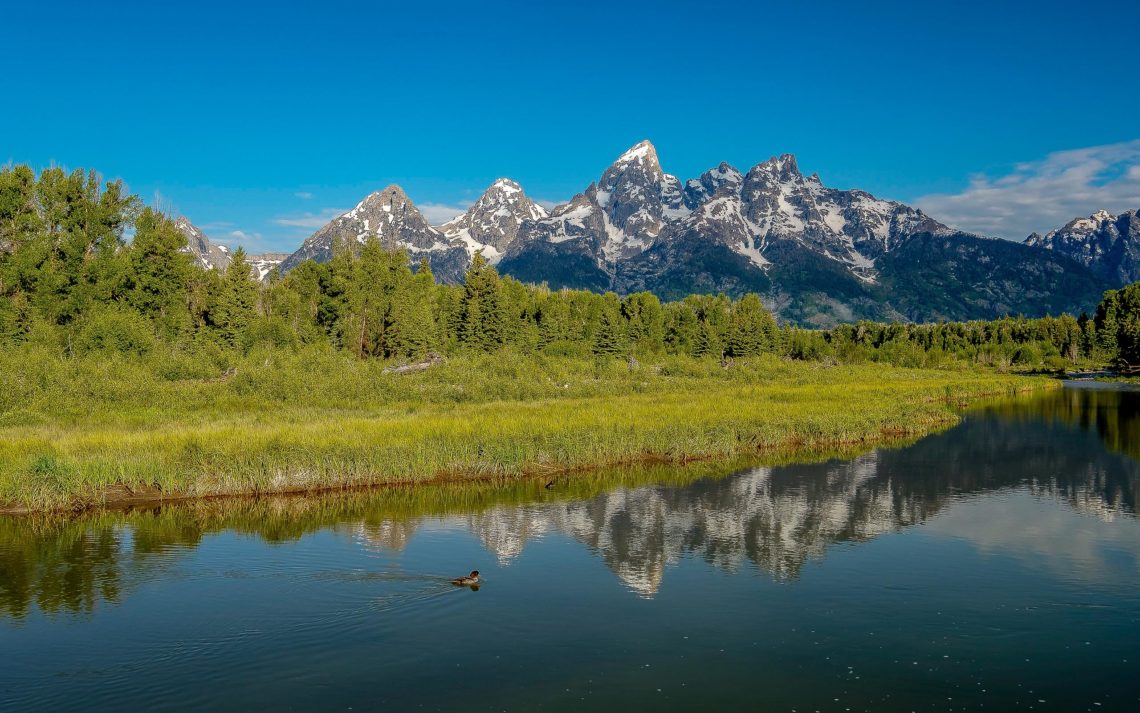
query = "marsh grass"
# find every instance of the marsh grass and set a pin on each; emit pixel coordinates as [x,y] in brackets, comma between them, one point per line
[76,433]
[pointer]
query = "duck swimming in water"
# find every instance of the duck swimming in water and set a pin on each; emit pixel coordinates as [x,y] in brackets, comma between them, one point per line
[471,580]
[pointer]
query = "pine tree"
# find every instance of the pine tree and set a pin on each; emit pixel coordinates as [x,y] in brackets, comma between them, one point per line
[413,315]
[236,303]
[610,336]
[1128,326]
[707,342]
[482,326]
[646,319]
[1107,325]
[751,328]
[159,272]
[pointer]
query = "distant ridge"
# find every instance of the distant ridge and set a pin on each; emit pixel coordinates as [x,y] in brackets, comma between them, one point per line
[817,255]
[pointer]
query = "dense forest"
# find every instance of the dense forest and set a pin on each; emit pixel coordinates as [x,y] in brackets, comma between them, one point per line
[72,281]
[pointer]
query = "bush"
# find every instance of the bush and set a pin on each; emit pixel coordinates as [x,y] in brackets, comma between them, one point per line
[1057,363]
[1027,355]
[120,331]
[269,332]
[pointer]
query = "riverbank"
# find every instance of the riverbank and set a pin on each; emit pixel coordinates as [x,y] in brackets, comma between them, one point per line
[80,435]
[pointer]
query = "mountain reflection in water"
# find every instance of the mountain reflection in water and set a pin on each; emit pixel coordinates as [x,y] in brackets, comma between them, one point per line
[1079,446]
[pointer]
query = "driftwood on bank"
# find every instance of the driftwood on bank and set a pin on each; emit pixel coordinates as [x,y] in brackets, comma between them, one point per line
[429,361]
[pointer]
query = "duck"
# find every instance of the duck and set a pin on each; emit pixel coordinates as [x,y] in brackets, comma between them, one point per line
[471,580]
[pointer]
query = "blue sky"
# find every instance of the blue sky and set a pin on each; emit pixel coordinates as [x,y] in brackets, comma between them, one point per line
[260,122]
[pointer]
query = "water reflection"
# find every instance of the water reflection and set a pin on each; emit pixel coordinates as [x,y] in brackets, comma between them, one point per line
[1078,446]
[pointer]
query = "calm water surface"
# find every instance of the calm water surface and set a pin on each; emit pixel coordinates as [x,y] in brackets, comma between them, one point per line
[994,566]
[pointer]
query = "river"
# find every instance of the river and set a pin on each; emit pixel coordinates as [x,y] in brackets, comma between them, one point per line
[991,566]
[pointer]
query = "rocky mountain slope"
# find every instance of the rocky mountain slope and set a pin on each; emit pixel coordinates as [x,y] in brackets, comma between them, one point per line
[394,220]
[213,256]
[1107,244]
[493,222]
[490,225]
[818,255]
[205,252]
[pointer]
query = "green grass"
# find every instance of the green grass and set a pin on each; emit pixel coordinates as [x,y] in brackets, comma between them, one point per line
[74,433]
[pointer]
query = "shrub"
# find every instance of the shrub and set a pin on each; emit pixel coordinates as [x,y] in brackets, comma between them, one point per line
[115,330]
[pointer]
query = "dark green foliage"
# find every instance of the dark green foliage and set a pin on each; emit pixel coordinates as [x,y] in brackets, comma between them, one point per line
[70,284]
[960,277]
[118,330]
[646,319]
[236,304]
[611,337]
[752,330]
[157,282]
[482,324]
[1117,325]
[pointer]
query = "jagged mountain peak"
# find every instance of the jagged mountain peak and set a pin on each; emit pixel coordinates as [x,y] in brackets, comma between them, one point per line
[782,167]
[492,223]
[638,164]
[392,217]
[1091,223]
[213,256]
[1107,244]
[713,181]
[208,254]
[387,195]
[641,152]
[505,184]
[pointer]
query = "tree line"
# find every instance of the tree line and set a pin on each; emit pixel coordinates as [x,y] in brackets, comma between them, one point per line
[70,276]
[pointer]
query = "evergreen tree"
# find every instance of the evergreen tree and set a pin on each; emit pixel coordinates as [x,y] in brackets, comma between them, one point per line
[553,319]
[646,319]
[413,314]
[159,273]
[707,341]
[611,336]
[751,328]
[236,303]
[482,325]
[1128,325]
[1107,326]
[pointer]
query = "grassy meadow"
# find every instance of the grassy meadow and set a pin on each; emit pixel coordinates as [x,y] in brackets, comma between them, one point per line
[80,432]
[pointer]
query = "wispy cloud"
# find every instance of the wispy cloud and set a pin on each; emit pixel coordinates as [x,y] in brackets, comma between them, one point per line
[1045,194]
[311,221]
[437,213]
[304,195]
[252,241]
[548,204]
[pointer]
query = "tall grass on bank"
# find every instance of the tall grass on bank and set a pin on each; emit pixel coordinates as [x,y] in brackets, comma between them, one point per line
[75,432]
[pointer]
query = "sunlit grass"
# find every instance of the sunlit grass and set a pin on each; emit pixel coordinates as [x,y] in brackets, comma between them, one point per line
[72,432]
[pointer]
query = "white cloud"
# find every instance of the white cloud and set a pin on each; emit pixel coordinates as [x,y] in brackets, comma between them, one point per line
[304,195]
[548,204]
[439,213]
[310,220]
[252,241]
[1045,194]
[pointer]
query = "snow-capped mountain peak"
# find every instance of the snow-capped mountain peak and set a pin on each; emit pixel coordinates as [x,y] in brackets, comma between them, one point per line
[699,190]
[397,223]
[642,152]
[209,255]
[1107,244]
[492,223]
[213,256]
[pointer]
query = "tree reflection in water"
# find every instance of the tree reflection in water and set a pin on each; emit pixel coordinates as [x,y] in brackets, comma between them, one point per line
[1079,446]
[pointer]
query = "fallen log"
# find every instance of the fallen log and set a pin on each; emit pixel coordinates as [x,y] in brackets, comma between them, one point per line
[430,360]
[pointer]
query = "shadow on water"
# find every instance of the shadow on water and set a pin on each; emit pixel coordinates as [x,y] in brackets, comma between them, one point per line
[1080,446]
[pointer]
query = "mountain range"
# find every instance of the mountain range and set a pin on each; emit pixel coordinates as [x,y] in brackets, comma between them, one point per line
[817,255]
